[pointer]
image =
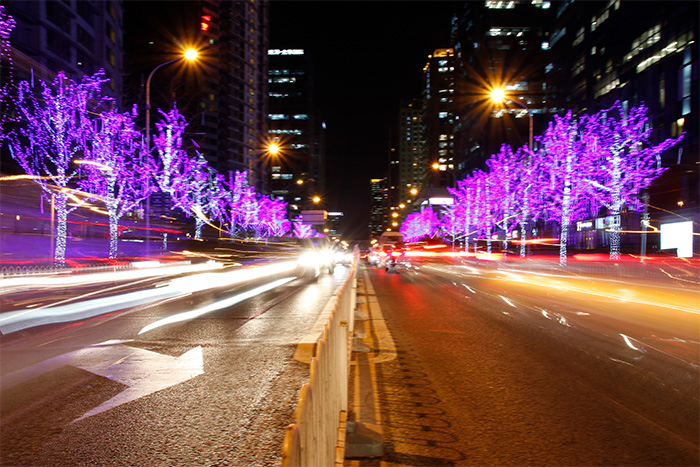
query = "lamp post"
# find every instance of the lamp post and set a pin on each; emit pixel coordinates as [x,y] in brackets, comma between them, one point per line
[436,166]
[499,95]
[189,54]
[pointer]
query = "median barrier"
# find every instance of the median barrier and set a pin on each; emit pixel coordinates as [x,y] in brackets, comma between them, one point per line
[318,435]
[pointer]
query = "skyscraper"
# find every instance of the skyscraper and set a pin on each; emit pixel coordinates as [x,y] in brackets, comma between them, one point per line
[378,207]
[223,94]
[413,163]
[439,113]
[499,44]
[75,37]
[296,170]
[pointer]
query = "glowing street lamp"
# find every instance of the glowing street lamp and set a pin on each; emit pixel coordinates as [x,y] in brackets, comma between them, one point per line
[190,55]
[273,149]
[499,95]
[316,199]
[438,167]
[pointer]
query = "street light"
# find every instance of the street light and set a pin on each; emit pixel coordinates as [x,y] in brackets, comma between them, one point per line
[273,149]
[190,54]
[499,95]
[438,167]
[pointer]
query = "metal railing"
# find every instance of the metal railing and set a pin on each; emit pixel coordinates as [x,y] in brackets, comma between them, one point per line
[317,437]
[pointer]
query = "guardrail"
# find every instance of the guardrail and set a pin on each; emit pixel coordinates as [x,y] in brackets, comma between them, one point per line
[317,437]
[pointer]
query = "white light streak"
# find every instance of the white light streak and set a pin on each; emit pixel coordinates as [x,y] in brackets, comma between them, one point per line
[507,301]
[629,343]
[221,304]
[22,319]
[95,278]
[469,288]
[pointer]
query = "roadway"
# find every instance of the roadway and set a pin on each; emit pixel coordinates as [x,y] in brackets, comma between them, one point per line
[497,364]
[184,368]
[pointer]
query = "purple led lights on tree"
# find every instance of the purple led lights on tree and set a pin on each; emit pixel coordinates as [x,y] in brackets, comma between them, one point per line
[463,208]
[418,225]
[167,141]
[272,219]
[566,194]
[53,135]
[198,189]
[527,201]
[504,173]
[301,230]
[231,210]
[111,169]
[616,144]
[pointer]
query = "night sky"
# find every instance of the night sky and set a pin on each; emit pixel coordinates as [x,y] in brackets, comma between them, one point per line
[367,55]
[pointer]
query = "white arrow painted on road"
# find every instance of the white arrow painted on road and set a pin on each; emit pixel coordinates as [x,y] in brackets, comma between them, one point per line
[143,371]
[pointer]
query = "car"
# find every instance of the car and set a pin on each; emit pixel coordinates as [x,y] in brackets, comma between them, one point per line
[395,259]
[316,256]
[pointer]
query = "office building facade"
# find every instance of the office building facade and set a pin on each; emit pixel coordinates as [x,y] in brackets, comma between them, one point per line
[297,168]
[413,163]
[504,45]
[439,114]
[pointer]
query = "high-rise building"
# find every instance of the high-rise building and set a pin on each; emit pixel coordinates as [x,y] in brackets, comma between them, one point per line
[499,44]
[378,207]
[233,98]
[439,114]
[77,38]
[296,169]
[413,163]
[636,53]
[223,93]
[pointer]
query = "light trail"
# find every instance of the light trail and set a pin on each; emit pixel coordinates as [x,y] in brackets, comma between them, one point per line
[221,304]
[95,278]
[522,278]
[14,321]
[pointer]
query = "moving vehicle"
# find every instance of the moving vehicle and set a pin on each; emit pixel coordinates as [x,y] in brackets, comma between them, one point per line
[389,254]
[317,255]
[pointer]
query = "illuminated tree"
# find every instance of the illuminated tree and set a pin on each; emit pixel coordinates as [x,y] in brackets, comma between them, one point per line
[462,214]
[301,230]
[528,200]
[451,222]
[272,218]
[53,133]
[197,189]
[420,225]
[230,211]
[617,145]
[484,205]
[504,172]
[171,156]
[111,168]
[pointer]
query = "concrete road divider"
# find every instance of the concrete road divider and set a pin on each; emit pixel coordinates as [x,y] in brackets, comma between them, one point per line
[318,436]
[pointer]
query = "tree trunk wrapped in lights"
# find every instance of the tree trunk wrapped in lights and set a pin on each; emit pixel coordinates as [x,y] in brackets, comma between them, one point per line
[566,194]
[53,133]
[617,144]
[112,168]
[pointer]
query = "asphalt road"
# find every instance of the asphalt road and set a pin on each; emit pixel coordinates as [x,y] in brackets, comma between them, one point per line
[499,367]
[201,378]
